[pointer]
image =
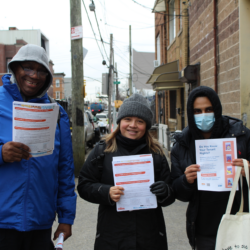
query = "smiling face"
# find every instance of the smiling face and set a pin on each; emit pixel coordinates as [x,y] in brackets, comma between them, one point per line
[133,127]
[29,85]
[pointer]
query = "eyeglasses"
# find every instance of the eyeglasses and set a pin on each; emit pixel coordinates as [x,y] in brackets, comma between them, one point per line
[31,72]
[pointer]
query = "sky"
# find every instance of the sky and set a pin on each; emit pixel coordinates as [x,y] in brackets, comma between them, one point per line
[52,17]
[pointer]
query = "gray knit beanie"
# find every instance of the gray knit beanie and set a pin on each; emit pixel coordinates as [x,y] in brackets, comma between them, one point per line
[136,105]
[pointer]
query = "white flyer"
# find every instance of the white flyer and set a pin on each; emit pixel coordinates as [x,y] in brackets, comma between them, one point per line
[215,158]
[59,243]
[34,124]
[135,174]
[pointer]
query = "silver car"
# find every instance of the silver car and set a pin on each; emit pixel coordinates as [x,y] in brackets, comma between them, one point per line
[89,133]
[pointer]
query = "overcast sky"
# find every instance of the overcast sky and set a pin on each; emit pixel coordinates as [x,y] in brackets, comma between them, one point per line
[52,17]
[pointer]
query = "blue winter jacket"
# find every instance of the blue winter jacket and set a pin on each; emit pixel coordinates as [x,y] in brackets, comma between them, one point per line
[33,191]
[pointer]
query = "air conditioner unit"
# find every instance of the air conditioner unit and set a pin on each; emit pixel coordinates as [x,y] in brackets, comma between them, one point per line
[156,63]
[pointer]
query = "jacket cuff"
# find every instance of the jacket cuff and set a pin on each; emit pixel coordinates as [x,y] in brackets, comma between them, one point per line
[112,203]
[104,190]
[1,157]
[188,185]
[65,221]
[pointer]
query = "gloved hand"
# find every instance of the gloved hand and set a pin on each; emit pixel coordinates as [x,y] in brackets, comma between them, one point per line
[159,188]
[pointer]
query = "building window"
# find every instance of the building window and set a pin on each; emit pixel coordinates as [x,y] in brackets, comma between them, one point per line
[172,21]
[57,83]
[158,49]
[57,94]
[180,16]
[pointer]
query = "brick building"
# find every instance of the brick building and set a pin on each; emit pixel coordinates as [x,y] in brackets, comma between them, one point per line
[171,55]
[224,52]
[58,86]
[187,43]
[11,42]
[7,51]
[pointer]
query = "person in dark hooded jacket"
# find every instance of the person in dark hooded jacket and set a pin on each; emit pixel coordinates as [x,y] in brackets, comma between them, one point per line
[205,209]
[138,229]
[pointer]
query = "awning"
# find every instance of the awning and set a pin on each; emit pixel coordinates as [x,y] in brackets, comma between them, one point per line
[159,6]
[166,77]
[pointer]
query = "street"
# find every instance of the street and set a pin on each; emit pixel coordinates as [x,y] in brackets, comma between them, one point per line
[84,228]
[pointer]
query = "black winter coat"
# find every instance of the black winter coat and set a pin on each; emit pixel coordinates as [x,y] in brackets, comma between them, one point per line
[135,230]
[181,158]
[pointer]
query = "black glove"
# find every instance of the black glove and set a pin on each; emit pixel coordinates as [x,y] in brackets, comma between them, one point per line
[159,188]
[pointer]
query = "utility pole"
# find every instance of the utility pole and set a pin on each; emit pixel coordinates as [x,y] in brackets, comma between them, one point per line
[130,63]
[117,93]
[114,109]
[78,140]
[111,66]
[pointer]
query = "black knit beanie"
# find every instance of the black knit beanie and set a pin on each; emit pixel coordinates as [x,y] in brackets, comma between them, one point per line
[136,105]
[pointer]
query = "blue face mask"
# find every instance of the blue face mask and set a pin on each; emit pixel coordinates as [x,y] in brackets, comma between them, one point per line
[204,121]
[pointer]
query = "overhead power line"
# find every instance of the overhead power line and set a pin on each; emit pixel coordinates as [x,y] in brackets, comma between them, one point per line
[92,28]
[100,34]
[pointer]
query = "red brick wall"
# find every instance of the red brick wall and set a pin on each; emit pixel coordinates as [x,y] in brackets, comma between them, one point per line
[60,88]
[201,26]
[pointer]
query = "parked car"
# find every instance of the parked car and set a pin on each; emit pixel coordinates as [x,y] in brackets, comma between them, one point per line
[90,117]
[89,133]
[103,122]
[96,108]
[93,121]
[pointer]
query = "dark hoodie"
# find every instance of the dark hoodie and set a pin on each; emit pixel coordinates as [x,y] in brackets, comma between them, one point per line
[205,208]
[211,204]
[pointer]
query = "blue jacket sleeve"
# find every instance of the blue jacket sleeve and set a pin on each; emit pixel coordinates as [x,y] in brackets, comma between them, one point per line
[66,198]
[1,157]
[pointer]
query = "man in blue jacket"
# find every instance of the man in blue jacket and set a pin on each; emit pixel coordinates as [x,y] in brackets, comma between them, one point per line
[33,190]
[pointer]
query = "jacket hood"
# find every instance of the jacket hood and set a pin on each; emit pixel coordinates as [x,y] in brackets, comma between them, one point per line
[204,91]
[31,52]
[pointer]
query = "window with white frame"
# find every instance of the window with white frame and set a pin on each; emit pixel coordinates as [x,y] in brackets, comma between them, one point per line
[57,94]
[180,14]
[158,49]
[172,24]
[57,83]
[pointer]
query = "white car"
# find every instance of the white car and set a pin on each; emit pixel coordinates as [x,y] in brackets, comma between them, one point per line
[103,122]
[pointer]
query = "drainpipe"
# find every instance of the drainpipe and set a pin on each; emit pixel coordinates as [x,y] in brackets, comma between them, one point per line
[215,49]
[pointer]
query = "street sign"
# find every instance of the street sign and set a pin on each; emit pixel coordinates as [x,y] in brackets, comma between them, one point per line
[76,32]
[117,82]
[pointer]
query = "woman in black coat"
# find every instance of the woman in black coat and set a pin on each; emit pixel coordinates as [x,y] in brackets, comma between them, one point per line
[138,229]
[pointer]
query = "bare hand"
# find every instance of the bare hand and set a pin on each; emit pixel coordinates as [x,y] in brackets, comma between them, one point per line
[15,151]
[115,193]
[239,163]
[63,228]
[191,173]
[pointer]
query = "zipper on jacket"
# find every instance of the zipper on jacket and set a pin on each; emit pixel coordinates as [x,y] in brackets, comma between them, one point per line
[25,198]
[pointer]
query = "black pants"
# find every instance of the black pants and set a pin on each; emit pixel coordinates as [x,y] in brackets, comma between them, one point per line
[11,239]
